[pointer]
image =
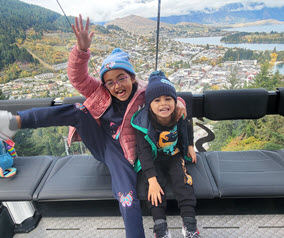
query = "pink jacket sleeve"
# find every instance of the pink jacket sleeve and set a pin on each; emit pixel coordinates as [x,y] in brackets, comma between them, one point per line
[78,72]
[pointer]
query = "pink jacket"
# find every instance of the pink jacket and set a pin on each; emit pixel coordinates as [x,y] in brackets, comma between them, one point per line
[99,99]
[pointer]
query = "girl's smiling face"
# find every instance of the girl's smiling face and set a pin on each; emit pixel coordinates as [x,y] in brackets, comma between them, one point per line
[119,83]
[163,107]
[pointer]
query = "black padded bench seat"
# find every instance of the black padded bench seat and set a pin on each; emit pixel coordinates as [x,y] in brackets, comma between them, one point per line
[84,178]
[78,177]
[30,171]
[257,173]
[81,177]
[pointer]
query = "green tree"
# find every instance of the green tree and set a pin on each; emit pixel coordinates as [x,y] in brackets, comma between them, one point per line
[232,81]
[2,96]
[45,141]
[266,79]
[206,87]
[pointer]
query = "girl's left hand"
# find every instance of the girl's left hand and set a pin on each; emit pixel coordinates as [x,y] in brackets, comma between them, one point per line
[84,38]
[191,153]
[181,110]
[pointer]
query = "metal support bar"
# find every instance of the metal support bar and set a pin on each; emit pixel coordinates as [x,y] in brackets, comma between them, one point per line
[20,211]
[23,215]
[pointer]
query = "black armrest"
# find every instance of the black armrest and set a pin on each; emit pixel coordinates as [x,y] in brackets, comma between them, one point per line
[23,104]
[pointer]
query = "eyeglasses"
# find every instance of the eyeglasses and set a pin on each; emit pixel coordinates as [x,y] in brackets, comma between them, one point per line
[120,81]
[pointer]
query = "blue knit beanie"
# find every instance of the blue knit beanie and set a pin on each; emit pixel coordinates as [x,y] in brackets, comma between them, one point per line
[158,86]
[118,59]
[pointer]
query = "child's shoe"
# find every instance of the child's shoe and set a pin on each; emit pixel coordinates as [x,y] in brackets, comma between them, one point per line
[189,229]
[5,132]
[161,231]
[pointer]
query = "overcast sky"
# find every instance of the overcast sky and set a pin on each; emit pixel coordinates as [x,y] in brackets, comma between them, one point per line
[106,10]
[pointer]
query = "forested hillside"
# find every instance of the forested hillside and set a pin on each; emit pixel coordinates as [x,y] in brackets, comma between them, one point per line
[255,37]
[246,54]
[15,18]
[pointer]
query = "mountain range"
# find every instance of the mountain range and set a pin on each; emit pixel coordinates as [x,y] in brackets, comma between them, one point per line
[144,26]
[229,14]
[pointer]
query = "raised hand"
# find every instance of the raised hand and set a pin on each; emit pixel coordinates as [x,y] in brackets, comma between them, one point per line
[84,38]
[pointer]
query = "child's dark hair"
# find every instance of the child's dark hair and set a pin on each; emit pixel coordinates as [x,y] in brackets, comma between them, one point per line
[173,120]
[133,76]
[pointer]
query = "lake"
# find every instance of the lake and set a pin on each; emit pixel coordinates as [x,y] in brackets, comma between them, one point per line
[279,67]
[276,27]
[216,40]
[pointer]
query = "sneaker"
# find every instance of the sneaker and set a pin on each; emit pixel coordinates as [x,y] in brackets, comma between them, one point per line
[161,231]
[189,229]
[5,132]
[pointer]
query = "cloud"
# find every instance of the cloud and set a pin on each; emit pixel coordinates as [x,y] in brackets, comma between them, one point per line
[105,10]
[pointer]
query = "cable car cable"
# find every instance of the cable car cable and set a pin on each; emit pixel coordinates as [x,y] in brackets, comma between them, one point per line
[64,13]
[158,31]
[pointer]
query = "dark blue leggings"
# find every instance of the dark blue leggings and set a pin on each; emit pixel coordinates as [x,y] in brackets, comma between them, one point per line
[103,148]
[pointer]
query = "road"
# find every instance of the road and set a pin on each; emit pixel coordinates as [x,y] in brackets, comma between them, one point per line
[40,60]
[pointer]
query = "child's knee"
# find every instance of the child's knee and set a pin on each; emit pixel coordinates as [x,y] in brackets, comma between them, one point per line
[125,199]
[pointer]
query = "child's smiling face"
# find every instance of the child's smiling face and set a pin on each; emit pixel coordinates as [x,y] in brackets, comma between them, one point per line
[163,107]
[119,83]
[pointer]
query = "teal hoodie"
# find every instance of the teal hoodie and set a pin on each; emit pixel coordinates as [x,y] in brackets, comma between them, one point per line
[140,121]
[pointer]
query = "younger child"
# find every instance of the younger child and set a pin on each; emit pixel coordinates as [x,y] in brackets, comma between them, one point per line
[162,145]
